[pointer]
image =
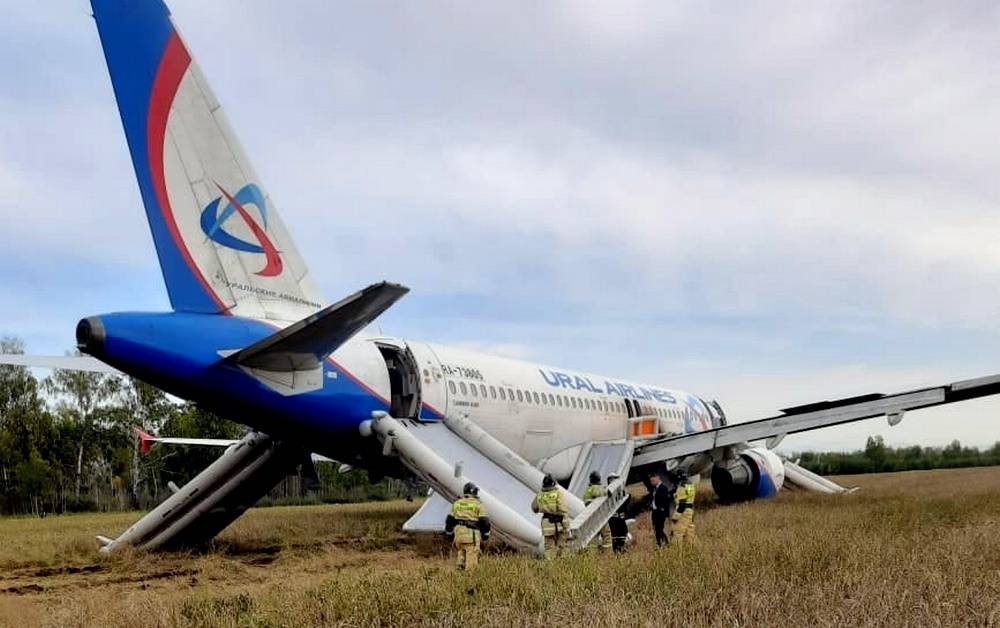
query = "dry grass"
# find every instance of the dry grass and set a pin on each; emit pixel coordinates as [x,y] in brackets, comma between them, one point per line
[919,548]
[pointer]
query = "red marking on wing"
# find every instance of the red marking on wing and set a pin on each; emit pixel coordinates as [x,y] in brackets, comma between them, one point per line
[145,440]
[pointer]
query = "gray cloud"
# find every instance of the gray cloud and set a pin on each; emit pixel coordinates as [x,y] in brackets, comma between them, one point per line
[673,192]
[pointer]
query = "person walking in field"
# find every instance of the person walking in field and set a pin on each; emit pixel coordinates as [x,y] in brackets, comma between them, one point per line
[661,501]
[593,491]
[552,505]
[682,520]
[468,525]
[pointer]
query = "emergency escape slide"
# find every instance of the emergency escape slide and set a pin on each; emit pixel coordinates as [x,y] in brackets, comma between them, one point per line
[448,454]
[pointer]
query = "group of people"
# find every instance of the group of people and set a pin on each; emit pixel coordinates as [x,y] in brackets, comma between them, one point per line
[468,525]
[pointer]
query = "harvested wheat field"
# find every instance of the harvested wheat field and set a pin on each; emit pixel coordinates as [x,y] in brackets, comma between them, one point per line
[918,548]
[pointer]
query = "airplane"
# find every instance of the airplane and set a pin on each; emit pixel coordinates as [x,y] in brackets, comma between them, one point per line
[249,337]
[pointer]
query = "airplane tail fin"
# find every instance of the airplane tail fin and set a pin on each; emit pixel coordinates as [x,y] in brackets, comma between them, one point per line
[222,246]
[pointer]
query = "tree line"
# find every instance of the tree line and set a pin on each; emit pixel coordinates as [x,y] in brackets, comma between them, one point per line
[876,457]
[67,444]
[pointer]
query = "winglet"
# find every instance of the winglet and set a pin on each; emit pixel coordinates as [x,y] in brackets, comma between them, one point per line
[145,440]
[305,344]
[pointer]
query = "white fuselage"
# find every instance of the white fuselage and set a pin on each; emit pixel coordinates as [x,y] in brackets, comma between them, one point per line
[537,410]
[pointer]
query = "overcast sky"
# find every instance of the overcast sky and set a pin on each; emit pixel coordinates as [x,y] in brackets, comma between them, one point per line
[767,203]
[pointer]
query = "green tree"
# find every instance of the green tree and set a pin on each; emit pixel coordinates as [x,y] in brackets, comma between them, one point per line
[24,425]
[181,463]
[875,452]
[147,408]
[80,394]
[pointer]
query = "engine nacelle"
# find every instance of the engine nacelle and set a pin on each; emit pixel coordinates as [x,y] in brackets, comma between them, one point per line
[755,473]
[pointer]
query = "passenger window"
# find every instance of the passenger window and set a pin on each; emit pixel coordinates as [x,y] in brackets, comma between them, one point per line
[545,400]
[465,391]
[535,395]
[559,400]
[472,389]
[451,387]
[503,394]
[527,396]
[493,392]
[519,397]
[552,399]
[510,393]
[482,389]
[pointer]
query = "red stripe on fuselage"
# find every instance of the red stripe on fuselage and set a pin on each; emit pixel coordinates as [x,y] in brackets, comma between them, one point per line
[174,64]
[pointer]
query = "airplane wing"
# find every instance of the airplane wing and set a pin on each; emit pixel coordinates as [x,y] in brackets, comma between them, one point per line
[70,362]
[811,417]
[146,442]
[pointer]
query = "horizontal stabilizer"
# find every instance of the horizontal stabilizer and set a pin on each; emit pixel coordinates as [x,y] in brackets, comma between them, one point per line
[305,344]
[68,362]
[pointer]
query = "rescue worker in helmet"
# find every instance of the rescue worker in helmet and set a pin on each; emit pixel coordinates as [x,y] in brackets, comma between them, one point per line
[468,525]
[555,516]
[682,519]
[594,490]
[618,523]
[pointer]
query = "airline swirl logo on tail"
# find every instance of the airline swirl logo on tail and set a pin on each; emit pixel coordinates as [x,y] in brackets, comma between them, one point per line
[213,224]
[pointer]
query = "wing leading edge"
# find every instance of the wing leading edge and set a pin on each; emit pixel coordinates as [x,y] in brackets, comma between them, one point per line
[812,417]
[68,362]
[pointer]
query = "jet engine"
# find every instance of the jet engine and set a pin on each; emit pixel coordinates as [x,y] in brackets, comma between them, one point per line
[754,473]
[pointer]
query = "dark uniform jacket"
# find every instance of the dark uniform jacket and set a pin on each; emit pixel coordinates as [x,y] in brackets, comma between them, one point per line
[662,498]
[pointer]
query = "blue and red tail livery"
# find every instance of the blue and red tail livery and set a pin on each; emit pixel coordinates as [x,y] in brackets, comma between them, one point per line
[222,246]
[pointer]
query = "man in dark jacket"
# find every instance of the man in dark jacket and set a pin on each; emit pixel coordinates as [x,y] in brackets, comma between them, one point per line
[660,503]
